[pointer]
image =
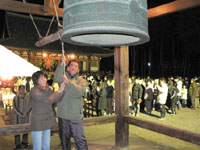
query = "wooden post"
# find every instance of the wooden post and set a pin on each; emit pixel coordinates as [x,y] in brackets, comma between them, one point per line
[121,58]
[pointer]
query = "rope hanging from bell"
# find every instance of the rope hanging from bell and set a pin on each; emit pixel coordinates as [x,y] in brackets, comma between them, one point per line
[59,26]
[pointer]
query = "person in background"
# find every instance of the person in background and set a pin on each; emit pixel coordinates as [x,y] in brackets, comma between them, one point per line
[20,103]
[155,95]
[137,92]
[96,99]
[179,86]
[130,86]
[42,117]
[197,95]
[170,84]
[184,96]
[162,97]
[101,102]
[192,92]
[70,109]
[174,97]
[109,97]
[148,97]
[28,86]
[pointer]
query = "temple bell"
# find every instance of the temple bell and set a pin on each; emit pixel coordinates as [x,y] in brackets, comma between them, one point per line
[105,22]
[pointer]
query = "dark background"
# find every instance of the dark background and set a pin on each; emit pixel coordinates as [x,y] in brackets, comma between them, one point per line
[173,49]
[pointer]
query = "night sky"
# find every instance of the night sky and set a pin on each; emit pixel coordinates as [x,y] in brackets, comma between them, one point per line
[173,49]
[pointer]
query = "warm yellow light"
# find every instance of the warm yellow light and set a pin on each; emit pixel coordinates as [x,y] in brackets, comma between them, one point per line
[44,54]
[9,78]
[6,77]
[3,78]
[72,56]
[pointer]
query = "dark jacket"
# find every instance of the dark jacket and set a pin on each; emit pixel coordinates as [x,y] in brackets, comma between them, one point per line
[174,93]
[137,91]
[102,99]
[42,114]
[192,90]
[109,91]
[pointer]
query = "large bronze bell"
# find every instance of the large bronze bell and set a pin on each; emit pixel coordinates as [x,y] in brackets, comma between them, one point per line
[105,22]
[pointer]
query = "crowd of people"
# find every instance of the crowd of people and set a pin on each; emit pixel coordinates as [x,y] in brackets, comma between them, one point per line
[68,91]
[145,94]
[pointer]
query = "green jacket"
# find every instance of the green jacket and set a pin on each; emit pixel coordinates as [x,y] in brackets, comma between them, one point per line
[192,89]
[102,99]
[71,105]
[137,92]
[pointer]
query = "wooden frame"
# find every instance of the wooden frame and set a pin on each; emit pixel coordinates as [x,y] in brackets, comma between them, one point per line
[48,10]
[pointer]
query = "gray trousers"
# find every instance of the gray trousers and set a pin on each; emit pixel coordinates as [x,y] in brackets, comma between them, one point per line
[109,105]
[136,106]
[72,128]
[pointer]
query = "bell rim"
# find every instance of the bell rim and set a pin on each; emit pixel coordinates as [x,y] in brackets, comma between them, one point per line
[67,36]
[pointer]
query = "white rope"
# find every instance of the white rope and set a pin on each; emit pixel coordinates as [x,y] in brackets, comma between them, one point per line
[50,26]
[59,25]
[35,26]
[40,36]
[54,4]
[24,1]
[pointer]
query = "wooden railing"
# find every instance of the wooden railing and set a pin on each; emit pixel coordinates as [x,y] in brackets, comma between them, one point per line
[164,129]
[184,135]
[11,130]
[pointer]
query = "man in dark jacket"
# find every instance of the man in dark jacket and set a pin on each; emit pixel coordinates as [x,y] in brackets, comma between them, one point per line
[137,96]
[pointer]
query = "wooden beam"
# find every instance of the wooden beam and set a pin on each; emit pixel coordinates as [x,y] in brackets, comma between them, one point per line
[49,39]
[121,58]
[11,130]
[178,5]
[99,120]
[46,9]
[48,5]
[164,129]
[16,6]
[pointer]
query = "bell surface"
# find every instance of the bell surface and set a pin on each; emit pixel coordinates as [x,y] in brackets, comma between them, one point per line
[105,22]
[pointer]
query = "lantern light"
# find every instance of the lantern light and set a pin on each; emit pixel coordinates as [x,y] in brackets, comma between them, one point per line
[44,55]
